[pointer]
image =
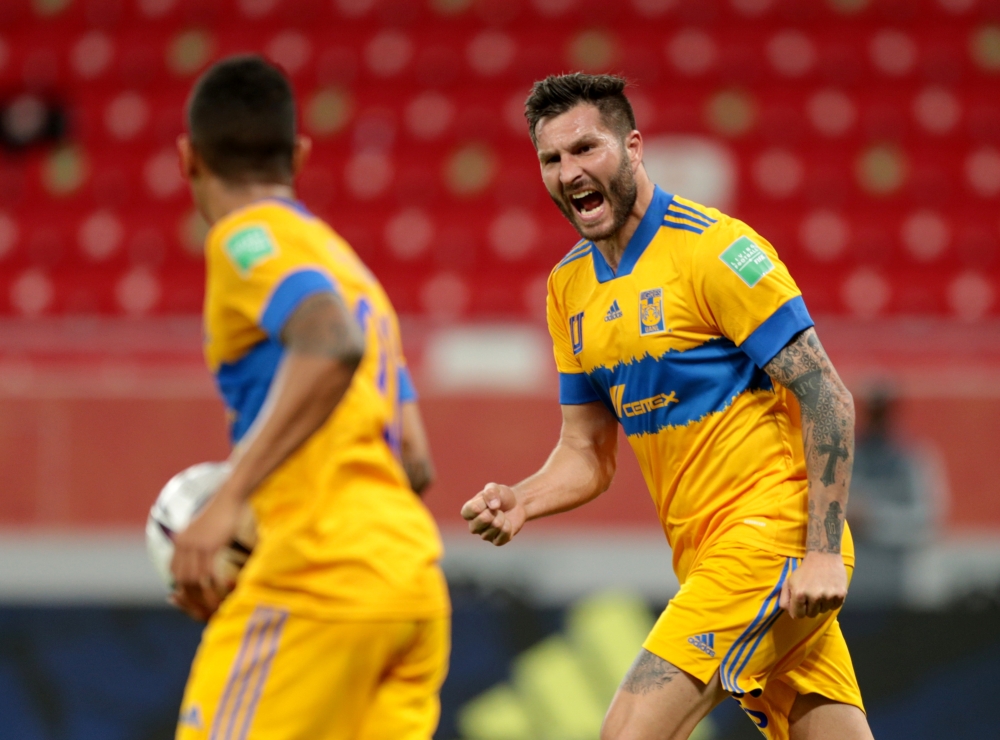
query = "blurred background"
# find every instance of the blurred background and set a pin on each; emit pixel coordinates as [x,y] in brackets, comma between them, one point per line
[861,137]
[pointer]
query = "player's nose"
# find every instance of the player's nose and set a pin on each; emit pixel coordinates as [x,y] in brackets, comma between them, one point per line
[569,171]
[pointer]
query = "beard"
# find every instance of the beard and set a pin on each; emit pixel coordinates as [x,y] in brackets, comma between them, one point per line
[619,196]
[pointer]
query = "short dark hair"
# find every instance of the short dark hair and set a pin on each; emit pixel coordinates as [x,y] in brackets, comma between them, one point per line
[241,116]
[556,94]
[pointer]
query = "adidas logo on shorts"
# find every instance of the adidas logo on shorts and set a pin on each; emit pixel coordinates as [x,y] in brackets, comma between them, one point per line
[705,643]
[191,717]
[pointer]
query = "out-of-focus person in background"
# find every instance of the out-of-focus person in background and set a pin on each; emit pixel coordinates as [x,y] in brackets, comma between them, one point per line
[898,500]
[338,627]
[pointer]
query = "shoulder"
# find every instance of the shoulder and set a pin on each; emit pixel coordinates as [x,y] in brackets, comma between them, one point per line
[243,240]
[686,215]
[570,269]
[718,233]
[580,251]
[265,242]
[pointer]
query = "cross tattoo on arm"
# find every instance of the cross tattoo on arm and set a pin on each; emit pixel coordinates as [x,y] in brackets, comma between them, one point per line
[836,450]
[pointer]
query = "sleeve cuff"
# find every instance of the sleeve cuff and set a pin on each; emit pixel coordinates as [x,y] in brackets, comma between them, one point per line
[289,294]
[575,388]
[770,338]
[407,391]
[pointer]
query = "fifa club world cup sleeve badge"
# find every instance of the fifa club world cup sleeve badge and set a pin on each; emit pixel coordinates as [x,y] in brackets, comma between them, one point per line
[250,246]
[747,260]
[651,311]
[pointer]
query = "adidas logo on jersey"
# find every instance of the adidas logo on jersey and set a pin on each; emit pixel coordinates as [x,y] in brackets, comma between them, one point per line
[705,643]
[614,312]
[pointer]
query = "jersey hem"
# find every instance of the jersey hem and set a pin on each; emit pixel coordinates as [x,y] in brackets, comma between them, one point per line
[313,609]
[751,540]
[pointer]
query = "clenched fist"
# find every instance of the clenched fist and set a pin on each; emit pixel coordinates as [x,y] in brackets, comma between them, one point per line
[818,585]
[494,514]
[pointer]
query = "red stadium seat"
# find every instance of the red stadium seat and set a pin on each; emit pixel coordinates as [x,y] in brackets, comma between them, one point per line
[866,144]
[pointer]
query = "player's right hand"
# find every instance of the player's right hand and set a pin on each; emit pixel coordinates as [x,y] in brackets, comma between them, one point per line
[194,605]
[198,590]
[494,514]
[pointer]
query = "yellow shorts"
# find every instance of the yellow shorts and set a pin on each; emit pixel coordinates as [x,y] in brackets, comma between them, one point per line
[726,618]
[264,674]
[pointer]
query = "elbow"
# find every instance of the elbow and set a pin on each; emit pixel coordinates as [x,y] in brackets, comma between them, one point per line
[421,475]
[430,475]
[607,475]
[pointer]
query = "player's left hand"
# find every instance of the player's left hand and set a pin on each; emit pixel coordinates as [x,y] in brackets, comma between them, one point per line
[193,566]
[818,585]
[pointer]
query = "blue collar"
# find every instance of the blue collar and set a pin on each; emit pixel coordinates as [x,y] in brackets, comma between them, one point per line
[650,224]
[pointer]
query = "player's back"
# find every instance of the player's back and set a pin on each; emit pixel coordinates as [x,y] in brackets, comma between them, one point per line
[340,532]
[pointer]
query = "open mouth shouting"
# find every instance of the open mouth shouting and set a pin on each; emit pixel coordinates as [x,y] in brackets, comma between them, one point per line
[590,204]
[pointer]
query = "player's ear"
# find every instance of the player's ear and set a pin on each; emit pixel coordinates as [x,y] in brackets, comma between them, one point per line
[187,157]
[633,148]
[300,155]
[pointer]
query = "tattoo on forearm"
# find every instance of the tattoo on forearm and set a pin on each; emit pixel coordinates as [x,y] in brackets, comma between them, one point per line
[834,451]
[806,388]
[834,525]
[649,673]
[814,536]
[827,434]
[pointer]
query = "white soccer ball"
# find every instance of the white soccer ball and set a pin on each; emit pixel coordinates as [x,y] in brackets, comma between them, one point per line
[178,503]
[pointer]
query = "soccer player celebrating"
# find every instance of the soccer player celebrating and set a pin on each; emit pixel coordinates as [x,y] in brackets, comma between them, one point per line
[338,626]
[681,324]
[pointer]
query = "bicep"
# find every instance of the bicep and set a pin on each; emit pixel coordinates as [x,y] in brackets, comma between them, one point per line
[590,425]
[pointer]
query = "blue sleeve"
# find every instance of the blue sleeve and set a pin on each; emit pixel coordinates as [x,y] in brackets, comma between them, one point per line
[407,391]
[289,294]
[778,330]
[575,388]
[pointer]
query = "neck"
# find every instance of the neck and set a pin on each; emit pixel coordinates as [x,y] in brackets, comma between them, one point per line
[222,198]
[613,247]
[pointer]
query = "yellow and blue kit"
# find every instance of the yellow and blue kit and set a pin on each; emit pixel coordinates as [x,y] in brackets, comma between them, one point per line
[347,555]
[674,343]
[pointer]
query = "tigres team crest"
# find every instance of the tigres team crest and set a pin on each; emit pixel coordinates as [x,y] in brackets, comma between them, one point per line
[651,311]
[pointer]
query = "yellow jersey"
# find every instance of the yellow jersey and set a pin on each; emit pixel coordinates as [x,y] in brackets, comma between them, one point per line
[340,533]
[674,343]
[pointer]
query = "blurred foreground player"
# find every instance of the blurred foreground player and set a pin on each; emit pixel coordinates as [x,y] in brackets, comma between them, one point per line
[338,627]
[681,324]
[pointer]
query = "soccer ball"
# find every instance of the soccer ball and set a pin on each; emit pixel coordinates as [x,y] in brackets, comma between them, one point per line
[178,503]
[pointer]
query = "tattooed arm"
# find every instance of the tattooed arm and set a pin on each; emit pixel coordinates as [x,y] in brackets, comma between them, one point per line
[827,408]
